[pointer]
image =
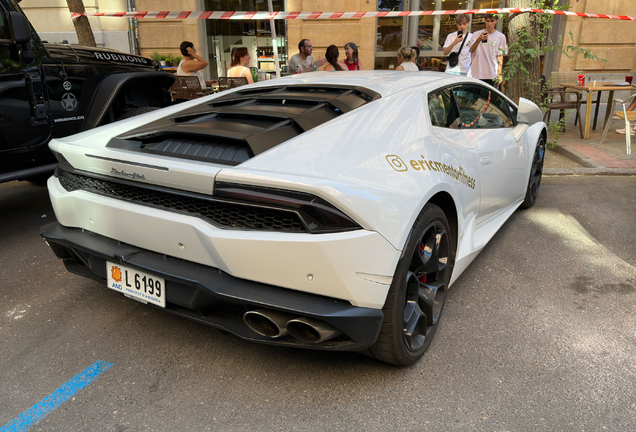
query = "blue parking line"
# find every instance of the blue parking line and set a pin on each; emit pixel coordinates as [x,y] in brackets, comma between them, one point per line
[37,412]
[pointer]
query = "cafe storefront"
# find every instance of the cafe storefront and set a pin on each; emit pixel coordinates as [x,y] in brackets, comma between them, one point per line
[255,35]
[432,31]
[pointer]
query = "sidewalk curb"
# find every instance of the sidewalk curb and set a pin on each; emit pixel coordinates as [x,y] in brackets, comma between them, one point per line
[590,171]
[578,157]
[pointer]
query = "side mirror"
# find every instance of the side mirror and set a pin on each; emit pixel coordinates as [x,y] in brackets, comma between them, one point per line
[528,113]
[22,34]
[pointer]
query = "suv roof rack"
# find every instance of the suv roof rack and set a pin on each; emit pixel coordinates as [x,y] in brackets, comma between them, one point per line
[232,128]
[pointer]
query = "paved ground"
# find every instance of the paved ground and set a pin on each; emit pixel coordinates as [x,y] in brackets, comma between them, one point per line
[590,157]
[538,334]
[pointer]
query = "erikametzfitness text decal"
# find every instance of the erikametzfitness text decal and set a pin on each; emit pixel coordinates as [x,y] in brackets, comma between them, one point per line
[459,173]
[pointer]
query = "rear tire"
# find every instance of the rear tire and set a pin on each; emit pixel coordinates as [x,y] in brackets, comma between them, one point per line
[536,171]
[137,111]
[416,297]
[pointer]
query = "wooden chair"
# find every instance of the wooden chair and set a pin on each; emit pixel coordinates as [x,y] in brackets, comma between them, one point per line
[226,83]
[547,95]
[186,88]
[623,114]
[430,68]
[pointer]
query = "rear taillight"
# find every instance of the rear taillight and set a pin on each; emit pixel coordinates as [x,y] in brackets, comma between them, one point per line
[62,160]
[318,215]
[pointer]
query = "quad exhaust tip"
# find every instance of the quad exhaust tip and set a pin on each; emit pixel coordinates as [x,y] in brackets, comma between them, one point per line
[276,324]
[311,330]
[269,323]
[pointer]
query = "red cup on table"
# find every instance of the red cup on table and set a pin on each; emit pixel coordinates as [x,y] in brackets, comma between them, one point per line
[629,79]
[580,80]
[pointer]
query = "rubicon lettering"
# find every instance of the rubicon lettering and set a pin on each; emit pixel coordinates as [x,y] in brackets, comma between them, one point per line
[121,57]
[458,173]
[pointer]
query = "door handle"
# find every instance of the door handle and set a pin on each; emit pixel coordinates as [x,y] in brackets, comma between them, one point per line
[486,160]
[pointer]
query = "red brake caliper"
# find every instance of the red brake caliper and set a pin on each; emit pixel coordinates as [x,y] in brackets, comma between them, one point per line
[422,278]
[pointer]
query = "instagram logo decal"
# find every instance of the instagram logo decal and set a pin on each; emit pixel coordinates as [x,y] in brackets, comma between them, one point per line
[458,174]
[397,163]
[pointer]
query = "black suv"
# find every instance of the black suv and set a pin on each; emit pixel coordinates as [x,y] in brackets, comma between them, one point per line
[54,90]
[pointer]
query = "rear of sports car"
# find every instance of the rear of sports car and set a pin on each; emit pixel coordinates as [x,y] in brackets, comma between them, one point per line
[161,213]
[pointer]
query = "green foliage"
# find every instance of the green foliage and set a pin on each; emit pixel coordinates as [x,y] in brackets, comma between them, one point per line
[159,57]
[168,58]
[529,46]
[532,44]
[587,53]
[555,129]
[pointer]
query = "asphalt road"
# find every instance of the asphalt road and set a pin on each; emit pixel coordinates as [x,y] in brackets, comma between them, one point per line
[538,334]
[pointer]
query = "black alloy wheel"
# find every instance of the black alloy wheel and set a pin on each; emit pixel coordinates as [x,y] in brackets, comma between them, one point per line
[416,297]
[536,171]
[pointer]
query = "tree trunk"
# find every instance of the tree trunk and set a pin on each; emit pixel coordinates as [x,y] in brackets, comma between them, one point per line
[82,26]
[522,84]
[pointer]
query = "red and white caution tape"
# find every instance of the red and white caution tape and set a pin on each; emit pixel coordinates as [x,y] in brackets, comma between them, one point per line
[241,15]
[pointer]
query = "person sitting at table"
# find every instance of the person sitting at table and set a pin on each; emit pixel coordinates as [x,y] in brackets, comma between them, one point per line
[192,64]
[304,61]
[420,61]
[631,107]
[351,61]
[332,58]
[405,59]
[240,65]
[416,56]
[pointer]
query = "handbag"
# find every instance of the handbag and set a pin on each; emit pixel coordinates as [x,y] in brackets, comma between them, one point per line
[453,58]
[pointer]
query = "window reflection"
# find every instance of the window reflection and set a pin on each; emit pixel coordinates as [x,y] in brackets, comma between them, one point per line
[426,25]
[482,108]
[389,34]
[447,22]
[255,35]
[478,22]
[432,29]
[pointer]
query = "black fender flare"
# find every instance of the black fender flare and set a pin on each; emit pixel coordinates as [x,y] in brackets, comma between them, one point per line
[109,88]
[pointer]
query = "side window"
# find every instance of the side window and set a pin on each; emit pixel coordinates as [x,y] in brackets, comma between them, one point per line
[443,109]
[481,108]
[4,26]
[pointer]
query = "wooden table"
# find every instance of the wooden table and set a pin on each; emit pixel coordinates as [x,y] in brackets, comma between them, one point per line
[590,89]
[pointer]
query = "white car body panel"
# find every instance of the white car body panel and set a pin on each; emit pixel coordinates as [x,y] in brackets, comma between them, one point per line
[280,259]
[352,162]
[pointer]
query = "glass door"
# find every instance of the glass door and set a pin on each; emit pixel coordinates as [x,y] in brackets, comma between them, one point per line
[255,35]
[389,34]
[432,29]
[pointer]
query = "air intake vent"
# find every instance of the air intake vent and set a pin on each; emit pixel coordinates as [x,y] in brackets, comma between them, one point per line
[235,127]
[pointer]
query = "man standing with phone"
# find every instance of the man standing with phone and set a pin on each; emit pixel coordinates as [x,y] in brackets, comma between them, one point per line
[488,49]
[456,41]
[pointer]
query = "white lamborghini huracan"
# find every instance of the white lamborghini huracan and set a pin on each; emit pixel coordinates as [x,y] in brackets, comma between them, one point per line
[324,210]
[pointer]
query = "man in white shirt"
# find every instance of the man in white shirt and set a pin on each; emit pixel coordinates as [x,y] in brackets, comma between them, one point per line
[304,61]
[454,42]
[488,49]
